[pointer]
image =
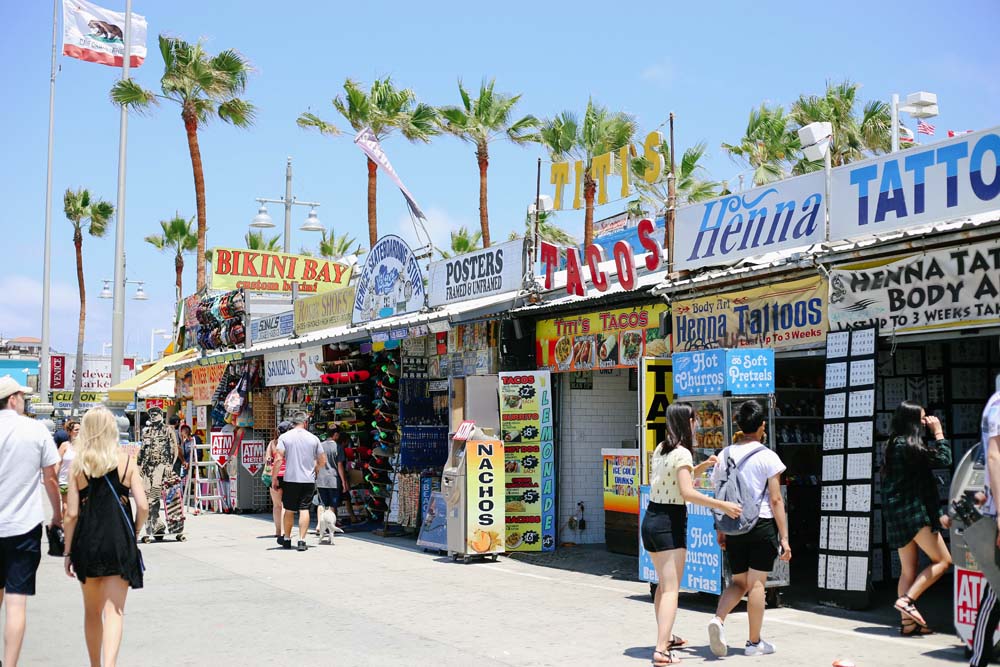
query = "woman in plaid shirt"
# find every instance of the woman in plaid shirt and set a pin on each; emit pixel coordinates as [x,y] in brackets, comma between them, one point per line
[913,511]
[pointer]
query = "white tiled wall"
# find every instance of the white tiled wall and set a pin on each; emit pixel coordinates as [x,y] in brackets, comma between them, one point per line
[591,420]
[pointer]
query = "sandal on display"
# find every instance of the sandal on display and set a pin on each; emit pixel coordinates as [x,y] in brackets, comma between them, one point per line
[904,605]
[910,628]
[664,658]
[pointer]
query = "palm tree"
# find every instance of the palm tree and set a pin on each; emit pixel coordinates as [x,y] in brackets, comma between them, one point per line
[177,236]
[547,230]
[384,109]
[336,247]
[768,144]
[462,241]
[601,132]
[691,184]
[83,211]
[855,137]
[256,241]
[203,85]
[479,122]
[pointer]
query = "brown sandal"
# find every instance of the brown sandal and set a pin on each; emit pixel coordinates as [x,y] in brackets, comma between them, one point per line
[910,628]
[676,642]
[904,605]
[669,658]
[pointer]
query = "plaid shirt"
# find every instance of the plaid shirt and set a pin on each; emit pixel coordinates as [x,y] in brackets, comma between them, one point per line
[909,490]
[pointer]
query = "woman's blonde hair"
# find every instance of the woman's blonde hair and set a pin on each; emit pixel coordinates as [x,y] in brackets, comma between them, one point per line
[97,447]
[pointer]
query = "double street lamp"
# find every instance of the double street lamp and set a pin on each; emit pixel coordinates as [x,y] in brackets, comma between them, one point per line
[263,221]
[919,105]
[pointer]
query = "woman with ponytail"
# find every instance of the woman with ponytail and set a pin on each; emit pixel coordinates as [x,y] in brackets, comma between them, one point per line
[101,533]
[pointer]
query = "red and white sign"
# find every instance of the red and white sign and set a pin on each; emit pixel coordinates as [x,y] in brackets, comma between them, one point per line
[464,431]
[96,372]
[968,593]
[252,455]
[594,256]
[222,446]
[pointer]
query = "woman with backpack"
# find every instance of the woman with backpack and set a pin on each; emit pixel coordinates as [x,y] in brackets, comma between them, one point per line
[913,511]
[101,533]
[664,528]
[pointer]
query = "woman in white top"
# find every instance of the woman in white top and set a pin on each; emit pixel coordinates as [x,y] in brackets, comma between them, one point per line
[67,452]
[664,528]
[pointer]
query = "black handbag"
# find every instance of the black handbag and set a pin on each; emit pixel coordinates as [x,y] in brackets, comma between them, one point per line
[57,540]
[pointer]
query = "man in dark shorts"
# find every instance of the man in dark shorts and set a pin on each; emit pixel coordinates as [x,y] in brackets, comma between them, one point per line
[303,455]
[751,555]
[26,449]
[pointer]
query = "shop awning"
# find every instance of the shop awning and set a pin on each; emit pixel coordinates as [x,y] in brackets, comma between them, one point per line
[222,357]
[124,392]
[452,313]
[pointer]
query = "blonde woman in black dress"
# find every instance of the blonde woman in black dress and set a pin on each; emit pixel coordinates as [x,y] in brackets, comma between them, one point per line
[101,534]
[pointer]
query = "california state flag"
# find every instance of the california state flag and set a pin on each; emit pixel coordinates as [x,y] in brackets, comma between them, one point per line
[97,35]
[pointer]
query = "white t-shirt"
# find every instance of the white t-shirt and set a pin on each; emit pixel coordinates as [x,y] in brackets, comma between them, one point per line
[757,471]
[26,447]
[301,450]
[990,429]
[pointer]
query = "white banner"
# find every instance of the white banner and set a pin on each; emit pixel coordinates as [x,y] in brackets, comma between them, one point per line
[944,289]
[370,146]
[922,185]
[292,366]
[97,35]
[782,215]
[476,274]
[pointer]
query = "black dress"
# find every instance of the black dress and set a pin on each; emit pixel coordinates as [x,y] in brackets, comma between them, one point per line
[102,544]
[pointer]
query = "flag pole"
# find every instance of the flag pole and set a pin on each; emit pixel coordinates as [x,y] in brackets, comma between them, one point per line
[43,357]
[118,309]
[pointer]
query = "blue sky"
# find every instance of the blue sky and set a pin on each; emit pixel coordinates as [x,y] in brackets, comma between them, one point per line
[708,64]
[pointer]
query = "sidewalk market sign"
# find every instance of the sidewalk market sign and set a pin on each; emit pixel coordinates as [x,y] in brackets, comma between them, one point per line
[293,366]
[529,452]
[390,284]
[481,273]
[782,315]
[96,374]
[323,311]
[276,272]
[946,180]
[602,339]
[271,327]
[782,215]
[953,288]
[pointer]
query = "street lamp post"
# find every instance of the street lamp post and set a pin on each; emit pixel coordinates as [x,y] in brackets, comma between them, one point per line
[152,341]
[263,221]
[816,139]
[107,293]
[919,105]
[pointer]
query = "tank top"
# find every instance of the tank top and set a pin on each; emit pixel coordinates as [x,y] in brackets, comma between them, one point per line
[67,461]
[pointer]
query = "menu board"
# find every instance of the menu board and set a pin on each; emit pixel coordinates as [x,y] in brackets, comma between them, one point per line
[601,340]
[529,460]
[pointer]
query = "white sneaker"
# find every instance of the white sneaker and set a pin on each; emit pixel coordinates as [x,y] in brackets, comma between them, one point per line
[760,648]
[717,637]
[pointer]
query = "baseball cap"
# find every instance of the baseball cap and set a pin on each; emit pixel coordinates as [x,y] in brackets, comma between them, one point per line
[60,436]
[284,426]
[10,386]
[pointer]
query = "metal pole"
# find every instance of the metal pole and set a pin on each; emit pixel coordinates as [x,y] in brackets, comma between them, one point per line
[670,217]
[288,206]
[828,168]
[43,357]
[118,309]
[538,206]
[895,122]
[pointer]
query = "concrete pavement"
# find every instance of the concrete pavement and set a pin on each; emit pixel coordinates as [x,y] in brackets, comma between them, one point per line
[230,596]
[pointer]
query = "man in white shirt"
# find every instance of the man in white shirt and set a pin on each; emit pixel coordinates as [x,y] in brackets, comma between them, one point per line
[26,448]
[989,611]
[303,455]
[751,555]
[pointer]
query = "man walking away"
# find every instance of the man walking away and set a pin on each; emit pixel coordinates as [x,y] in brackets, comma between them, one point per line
[751,555]
[332,478]
[303,455]
[26,448]
[989,611]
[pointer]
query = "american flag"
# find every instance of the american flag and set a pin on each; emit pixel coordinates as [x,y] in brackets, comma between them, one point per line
[924,128]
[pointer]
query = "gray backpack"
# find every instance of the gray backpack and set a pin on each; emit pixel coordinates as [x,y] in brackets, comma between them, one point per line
[734,487]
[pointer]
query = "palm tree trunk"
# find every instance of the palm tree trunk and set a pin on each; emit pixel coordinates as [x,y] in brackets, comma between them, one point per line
[589,191]
[78,372]
[191,126]
[372,219]
[179,269]
[483,157]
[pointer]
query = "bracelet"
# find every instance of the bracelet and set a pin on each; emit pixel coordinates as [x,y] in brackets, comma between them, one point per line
[66,555]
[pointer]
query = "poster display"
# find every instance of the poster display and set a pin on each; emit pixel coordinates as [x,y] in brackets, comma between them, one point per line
[275,272]
[204,381]
[322,311]
[485,490]
[480,273]
[655,395]
[782,315]
[529,460]
[620,475]
[293,366]
[952,288]
[390,284]
[601,340]
[252,455]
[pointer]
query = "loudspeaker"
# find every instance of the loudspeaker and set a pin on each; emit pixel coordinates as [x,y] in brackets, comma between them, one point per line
[517,345]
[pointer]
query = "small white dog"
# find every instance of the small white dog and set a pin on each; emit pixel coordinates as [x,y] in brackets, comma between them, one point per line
[328,526]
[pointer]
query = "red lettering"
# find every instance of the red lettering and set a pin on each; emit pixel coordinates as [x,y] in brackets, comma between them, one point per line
[574,276]
[651,245]
[625,264]
[338,272]
[595,255]
[550,258]
[324,273]
[309,273]
[223,262]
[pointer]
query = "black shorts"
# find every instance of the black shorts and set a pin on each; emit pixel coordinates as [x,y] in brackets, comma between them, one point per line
[664,527]
[296,496]
[755,550]
[19,559]
[329,497]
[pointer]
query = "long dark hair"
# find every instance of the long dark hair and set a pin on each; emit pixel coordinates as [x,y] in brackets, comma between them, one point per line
[907,428]
[679,416]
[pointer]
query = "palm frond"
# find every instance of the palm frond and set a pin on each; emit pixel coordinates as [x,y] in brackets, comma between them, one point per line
[238,112]
[129,94]
[312,121]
